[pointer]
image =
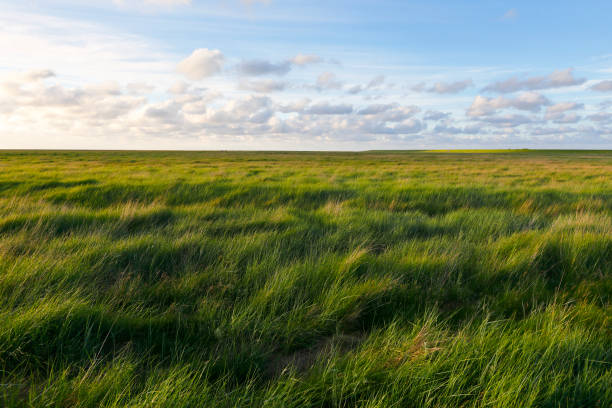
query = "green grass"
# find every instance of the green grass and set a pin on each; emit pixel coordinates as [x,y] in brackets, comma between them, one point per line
[377,279]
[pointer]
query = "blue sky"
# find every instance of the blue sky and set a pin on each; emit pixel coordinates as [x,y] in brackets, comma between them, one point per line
[288,74]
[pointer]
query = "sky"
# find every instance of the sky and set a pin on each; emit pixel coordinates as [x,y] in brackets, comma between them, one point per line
[305,75]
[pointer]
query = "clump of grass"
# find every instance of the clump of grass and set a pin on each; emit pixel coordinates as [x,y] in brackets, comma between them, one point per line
[372,279]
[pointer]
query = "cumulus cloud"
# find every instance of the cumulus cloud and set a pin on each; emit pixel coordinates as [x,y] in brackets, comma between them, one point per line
[374,83]
[399,113]
[322,119]
[201,63]
[557,79]
[252,109]
[508,120]
[325,108]
[445,128]
[355,89]
[605,104]
[603,86]
[328,80]
[558,113]
[29,92]
[602,117]
[179,87]
[103,88]
[564,107]
[37,75]
[263,86]
[443,87]
[262,67]
[259,67]
[420,87]
[450,87]
[435,115]
[377,108]
[408,126]
[139,88]
[571,117]
[303,59]
[296,106]
[164,111]
[527,101]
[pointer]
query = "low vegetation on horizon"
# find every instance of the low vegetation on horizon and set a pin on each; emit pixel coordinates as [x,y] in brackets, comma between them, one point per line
[277,279]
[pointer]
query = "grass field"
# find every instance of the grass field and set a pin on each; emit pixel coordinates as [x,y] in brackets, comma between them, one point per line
[378,279]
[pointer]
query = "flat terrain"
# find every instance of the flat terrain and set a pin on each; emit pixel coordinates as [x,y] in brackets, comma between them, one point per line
[378,279]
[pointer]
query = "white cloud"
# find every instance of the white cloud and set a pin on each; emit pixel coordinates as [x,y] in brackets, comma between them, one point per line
[328,80]
[259,67]
[302,59]
[296,106]
[262,67]
[139,88]
[420,87]
[435,115]
[34,99]
[324,108]
[252,109]
[179,88]
[527,101]
[37,75]
[374,83]
[602,117]
[355,89]
[376,109]
[451,87]
[167,111]
[564,107]
[565,118]
[263,86]
[603,86]
[445,128]
[201,63]
[557,79]
[442,87]
[558,113]
[507,120]
[399,113]
[406,127]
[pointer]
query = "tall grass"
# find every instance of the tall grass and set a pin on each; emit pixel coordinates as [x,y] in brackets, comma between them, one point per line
[378,279]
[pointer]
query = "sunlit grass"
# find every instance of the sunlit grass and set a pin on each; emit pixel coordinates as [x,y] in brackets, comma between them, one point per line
[306,279]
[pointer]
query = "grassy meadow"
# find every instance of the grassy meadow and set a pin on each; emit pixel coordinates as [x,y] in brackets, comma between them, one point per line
[271,279]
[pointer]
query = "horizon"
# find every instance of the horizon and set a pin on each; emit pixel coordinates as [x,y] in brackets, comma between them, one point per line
[466,151]
[266,75]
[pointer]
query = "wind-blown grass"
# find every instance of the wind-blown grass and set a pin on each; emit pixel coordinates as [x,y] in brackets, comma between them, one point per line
[375,279]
